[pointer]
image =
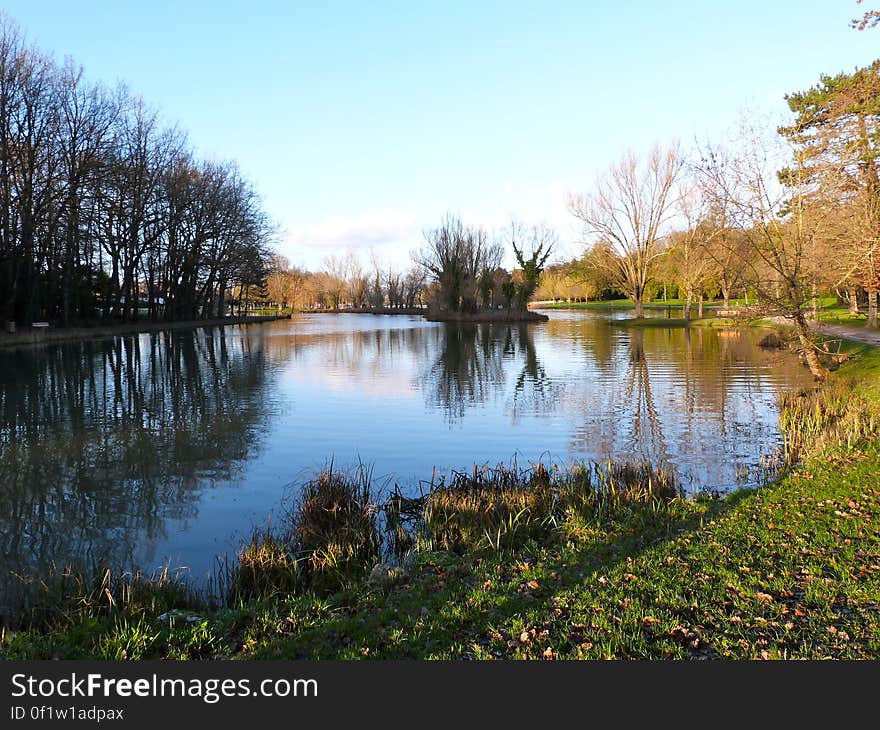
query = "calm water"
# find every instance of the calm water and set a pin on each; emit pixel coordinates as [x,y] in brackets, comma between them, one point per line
[170,447]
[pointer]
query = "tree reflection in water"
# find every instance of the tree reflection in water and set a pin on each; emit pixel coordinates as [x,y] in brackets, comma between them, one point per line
[700,401]
[476,362]
[102,442]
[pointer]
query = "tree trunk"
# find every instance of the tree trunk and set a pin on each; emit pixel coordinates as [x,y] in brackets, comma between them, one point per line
[853,302]
[726,293]
[640,310]
[700,306]
[809,352]
[687,307]
[872,310]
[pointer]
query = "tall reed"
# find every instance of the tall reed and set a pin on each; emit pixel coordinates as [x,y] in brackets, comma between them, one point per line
[831,416]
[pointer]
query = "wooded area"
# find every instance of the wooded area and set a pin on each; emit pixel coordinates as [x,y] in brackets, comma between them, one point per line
[105,213]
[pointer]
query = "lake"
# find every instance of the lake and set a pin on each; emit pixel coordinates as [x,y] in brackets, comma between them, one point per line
[170,447]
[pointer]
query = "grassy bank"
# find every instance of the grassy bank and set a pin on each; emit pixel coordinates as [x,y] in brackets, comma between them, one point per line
[603,561]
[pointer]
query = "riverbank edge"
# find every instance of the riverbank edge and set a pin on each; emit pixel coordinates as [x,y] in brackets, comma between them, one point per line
[391,311]
[487,315]
[27,338]
[790,570]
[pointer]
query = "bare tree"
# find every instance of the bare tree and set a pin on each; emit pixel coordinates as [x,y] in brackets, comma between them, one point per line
[454,256]
[413,288]
[629,211]
[101,205]
[688,260]
[335,268]
[779,228]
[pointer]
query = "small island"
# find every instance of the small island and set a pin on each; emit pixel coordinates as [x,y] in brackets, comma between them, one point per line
[486,315]
[469,282]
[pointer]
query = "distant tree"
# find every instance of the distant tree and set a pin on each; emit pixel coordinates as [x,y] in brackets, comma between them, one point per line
[453,256]
[413,288]
[334,281]
[376,288]
[531,247]
[688,261]
[103,209]
[628,212]
[780,229]
[836,132]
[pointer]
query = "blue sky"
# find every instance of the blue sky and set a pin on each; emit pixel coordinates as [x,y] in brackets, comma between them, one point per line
[363,123]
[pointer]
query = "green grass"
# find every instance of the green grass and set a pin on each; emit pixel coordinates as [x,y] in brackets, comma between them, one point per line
[838,314]
[611,304]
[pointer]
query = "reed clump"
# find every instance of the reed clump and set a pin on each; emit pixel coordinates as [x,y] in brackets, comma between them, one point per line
[329,540]
[71,593]
[266,567]
[831,416]
[505,507]
[612,490]
[489,507]
[334,527]
[339,530]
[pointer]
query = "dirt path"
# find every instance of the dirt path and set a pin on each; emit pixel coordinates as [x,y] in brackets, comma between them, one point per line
[856,334]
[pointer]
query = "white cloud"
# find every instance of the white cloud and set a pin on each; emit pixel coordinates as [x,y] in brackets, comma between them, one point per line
[392,233]
[532,204]
[372,227]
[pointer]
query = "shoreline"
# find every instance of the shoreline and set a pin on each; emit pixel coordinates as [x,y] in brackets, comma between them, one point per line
[861,335]
[369,310]
[31,337]
[654,577]
[488,315]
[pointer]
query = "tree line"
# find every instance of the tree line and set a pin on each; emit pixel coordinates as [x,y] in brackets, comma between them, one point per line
[343,282]
[458,268]
[105,212]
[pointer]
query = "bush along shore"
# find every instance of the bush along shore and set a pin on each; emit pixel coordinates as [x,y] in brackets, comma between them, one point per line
[598,561]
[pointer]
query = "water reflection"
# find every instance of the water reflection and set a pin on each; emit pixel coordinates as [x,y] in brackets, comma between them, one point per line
[102,443]
[468,371]
[170,446]
[702,401]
